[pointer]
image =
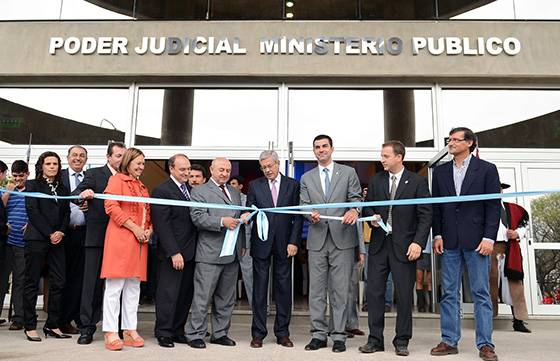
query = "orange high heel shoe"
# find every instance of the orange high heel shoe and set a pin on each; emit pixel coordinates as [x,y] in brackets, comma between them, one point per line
[115,345]
[137,341]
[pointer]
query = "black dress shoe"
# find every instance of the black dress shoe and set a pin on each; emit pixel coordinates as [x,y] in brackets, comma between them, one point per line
[315,344]
[180,339]
[401,350]
[371,348]
[85,339]
[164,341]
[338,346]
[49,332]
[224,341]
[198,343]
[15,326]
[519,326]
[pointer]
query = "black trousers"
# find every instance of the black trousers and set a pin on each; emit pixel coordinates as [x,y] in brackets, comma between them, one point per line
[36,254]
[404,277]
[174,296]
[14,263]
[91,303]
[75,257]
[282,286]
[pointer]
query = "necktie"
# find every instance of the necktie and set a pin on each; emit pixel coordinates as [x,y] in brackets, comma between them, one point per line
[393,192]
[223,188]
[274,192]
[327,183]
[185,191]
[78,179]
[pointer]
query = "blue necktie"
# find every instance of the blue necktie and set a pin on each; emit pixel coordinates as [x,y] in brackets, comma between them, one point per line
[327,183]
[78,180]
[185,191]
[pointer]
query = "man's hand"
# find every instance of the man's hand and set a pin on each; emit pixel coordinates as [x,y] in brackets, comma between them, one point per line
[511,234]
[361,260]
[374,221]
[11,186]
[315,217]
[485,248]
[438,245]
[177,260]
[350,217]
[83,206]
[230,223]
[414,251]
[56,237]
[292,250]
[244,217]
[87,194]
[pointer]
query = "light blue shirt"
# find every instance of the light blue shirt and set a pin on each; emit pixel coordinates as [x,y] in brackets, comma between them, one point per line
[459,172]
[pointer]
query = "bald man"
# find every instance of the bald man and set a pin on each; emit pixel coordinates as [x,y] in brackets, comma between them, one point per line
[215,277]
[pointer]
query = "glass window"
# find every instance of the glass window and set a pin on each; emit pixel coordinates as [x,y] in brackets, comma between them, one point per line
[505,118]
[473,10]
[63,116]
[356,117]
[207,117]
[548,276]
[30,9]
[96,10]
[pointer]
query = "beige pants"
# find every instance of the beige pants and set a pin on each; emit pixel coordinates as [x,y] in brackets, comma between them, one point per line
[515,287]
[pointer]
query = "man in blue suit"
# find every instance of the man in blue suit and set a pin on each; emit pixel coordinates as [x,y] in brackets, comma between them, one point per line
[282,243]
[464,234]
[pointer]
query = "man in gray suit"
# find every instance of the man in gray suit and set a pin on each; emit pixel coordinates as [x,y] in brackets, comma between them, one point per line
[215,277]
[331,243]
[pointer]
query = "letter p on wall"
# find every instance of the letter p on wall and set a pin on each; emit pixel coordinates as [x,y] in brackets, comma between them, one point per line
[55,43]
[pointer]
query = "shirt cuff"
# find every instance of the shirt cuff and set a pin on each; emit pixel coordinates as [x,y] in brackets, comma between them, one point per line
[221,221]
[488,240]
[437,237]
[521,232]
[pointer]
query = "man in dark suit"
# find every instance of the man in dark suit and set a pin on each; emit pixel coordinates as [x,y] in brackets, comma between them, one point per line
[215,276]
[95,181]
[71,177]
[176,235]
[397,250]
[282,243]
[464,235]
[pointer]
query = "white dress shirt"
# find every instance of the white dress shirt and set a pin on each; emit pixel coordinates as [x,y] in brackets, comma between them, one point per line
[77,217]
[322,174]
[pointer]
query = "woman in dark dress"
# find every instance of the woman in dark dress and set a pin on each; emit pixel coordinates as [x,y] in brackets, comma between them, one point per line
[48,221]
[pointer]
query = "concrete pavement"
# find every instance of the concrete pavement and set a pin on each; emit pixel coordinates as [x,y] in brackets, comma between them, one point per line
[543,344]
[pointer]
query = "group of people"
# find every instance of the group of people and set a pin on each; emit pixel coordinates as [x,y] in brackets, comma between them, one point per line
[96,250]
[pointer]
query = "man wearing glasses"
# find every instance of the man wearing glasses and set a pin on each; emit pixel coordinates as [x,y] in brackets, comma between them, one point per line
[464,236]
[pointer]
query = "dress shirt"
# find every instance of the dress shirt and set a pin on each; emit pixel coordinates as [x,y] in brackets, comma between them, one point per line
[278,179]
[330,167]
[77,217]
[459,172]
[398,175]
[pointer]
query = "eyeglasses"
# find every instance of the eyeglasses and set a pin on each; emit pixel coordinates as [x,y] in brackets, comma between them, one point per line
[267,167]
[454,140]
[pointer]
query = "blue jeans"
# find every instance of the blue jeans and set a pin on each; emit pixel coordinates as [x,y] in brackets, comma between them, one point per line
[478,268]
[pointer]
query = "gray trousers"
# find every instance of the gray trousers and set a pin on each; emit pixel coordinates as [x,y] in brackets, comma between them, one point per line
[246,263]
[329,266]
[352,320]
[213,284]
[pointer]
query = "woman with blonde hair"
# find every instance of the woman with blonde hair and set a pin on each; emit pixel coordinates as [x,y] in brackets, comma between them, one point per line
[125,255]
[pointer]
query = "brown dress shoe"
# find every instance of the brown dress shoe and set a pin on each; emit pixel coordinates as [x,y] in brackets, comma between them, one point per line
[256,342]
[443,349]
[355,331]
[285,341]
[487,353]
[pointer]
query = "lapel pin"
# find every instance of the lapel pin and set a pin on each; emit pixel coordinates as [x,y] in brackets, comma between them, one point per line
[406,181]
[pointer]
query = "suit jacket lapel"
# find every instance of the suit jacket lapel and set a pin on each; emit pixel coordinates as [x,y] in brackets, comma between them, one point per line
[176,191]
[472,171]
[385,185]
[282,191]
[218,191]
[449,181]
[334,178]
[402,184]
[316,176]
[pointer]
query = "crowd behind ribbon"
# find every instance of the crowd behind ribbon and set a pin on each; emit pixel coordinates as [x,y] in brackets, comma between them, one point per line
[94,253]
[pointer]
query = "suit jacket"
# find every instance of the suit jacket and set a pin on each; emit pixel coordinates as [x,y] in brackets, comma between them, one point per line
[465,224]
[410,223]
[345,187]
[208,221]
[173,226]
[283,229]
[45,215]
[95,179]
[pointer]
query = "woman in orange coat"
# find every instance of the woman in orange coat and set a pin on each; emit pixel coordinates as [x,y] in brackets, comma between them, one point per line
[125,256]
